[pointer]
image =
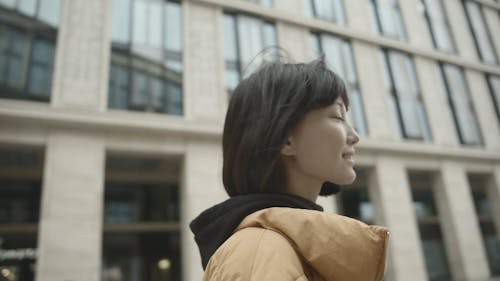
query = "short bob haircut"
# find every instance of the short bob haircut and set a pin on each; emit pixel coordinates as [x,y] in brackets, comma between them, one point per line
[263,110]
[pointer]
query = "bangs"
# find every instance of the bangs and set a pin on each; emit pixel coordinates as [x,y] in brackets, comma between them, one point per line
[323,87]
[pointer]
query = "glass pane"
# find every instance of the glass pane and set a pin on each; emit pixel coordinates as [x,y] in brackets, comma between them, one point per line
[27,7]
[17,56]
[140,27]
[439,25]
[356,204]
[174,103]
[49,11]
[19,201]
[232,78]
[436,259]
[120,26]
[492,245]
[173,30]
[332,46]
[250,43]
[140,95]
[460,100]
[480,32]
[144,256]
[495,92]
[15,245]
[155,24]
[270,42]
[307,7]
[229,36]
[423,203]
[8,3]
[324,9]
[158,98]
[118,87]
[356,112]
[314,40]
[390,19]
[4,49]
[40,78]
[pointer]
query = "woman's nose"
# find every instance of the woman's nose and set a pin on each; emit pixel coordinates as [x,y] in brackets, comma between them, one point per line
[352,137]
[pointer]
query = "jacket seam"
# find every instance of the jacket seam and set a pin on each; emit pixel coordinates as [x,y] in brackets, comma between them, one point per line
[256,252]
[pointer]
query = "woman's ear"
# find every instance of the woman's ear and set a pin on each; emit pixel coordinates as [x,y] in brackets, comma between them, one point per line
[288,148]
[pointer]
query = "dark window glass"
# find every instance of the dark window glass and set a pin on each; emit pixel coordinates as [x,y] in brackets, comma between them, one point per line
[19,201]
[433,248]
[355,203]
[132,257]
[18,257]
[461,104]
[127,202]
[28,33]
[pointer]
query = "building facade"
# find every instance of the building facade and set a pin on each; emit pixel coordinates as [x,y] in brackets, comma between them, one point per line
[111,115]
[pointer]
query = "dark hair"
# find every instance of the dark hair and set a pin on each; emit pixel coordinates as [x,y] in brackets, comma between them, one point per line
[263,110]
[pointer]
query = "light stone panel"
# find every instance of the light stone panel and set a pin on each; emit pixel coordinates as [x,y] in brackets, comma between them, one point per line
[376,100]
[201,188]
[70,227]
[289,6]
[204,92]
[433,91]
[358,16]
[390,192]
[460,29]
[461,234]
[484,109]
[82,57]
[416,26]
[295,40]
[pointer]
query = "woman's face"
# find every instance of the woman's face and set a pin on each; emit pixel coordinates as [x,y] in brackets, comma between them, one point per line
[321,147]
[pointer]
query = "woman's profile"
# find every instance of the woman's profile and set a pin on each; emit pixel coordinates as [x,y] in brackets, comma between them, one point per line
[286,141]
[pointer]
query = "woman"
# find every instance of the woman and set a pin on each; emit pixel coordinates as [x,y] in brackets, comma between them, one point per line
[286,141]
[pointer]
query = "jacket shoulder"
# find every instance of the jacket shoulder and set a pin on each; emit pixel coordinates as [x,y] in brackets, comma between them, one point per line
[255,254]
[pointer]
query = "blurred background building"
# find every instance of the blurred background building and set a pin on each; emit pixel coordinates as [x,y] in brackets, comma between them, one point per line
[111,115]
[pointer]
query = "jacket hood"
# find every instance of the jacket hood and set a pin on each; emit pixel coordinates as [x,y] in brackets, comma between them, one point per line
[215,225]
[336,247]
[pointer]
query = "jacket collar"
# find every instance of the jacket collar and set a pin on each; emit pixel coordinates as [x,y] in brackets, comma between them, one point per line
[338,248]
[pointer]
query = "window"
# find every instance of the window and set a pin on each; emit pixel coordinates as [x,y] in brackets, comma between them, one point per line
[20,196]
[28,32]
[338,55]
[388,19]
[354,200]
[265,3]
[480,31]
[436,259]
[330,10]
[141,219]
[494,85]
[401,81]
[146,59]
[479,188]
[248,41]
[439,25]
[461,104]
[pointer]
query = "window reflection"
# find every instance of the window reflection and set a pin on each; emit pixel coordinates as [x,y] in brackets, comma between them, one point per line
[439,25]
[27,47]
[480,31]
[388,17]
[149,55]
[409,110]
[330,10]
[248,41]
[461,104]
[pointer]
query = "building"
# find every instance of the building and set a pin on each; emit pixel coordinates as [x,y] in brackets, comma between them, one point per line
[111,116]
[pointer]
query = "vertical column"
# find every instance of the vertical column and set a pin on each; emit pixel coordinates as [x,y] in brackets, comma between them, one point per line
[484,109]
[460,29]
[436,103]
[289,6]
[379,114]
[295,40]
[71,213]
[392,200]
[204,62]
[201,188]
[82,57]
[459,224]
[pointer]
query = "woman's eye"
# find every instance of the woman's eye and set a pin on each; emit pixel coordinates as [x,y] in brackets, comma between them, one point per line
[338,118]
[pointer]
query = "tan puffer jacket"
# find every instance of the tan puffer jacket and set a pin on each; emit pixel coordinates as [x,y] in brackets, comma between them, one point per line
[286,244]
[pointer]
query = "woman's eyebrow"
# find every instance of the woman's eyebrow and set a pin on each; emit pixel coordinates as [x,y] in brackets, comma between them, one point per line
[341,105]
